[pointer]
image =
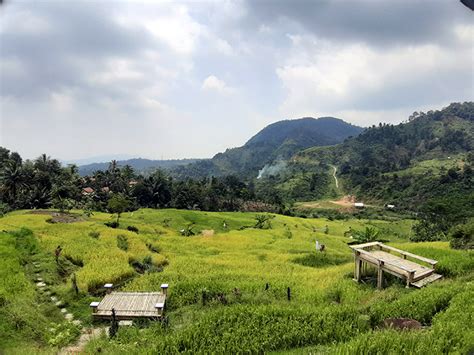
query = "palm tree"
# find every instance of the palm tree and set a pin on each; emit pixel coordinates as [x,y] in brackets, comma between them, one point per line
[12,179]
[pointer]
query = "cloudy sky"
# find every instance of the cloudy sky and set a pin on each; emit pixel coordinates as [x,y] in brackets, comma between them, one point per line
[189,79]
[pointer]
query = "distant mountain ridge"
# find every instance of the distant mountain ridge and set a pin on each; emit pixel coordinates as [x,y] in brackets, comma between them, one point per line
[140,165]
[278,141]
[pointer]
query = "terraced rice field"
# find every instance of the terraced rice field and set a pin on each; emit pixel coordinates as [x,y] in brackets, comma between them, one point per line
[229,284]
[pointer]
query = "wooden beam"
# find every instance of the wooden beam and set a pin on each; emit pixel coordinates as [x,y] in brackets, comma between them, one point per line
[405,254]
[362,246]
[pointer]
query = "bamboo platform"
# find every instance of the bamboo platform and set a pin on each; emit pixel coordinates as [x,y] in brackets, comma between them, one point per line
[385,259]
[131,305]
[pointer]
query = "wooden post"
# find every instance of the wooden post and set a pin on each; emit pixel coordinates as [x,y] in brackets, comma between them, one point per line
[108,288]
[357,267]
[94,306]
[380,275]
[160,307]
[410,277]
[288,294]
[164,289]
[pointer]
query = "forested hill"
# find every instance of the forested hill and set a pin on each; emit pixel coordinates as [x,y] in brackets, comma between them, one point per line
[426,159]
[139,165]
[388,148]
[276,142]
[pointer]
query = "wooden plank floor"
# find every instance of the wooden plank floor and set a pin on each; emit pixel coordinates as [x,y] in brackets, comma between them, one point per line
[420,270]
[130,304]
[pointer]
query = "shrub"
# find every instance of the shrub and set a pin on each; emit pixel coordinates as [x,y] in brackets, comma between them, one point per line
[462,236]
[4,209]
[94,234]
[188,230]
[132,229]
[112,224]
[122,242]
[153,248]
[263,221]
[370,234]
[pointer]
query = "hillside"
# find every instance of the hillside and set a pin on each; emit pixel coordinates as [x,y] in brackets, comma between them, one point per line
[138,164]
[276,142]
[428,158]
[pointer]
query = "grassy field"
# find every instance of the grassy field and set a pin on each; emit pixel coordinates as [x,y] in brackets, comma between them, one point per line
[217,298]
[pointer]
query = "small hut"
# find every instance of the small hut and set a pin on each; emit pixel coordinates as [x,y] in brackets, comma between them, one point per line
[130,305]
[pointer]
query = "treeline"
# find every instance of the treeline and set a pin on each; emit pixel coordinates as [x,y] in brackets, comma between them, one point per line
[44,183]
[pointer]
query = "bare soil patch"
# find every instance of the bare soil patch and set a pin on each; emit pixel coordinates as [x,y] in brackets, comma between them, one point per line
[207,232]
[346,201]
[58,217]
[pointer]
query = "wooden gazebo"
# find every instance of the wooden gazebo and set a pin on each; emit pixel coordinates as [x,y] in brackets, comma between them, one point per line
[394,261]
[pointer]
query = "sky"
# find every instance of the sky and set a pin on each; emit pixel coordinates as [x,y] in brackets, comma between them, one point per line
[189,79]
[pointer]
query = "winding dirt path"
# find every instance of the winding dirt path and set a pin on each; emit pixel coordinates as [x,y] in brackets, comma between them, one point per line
[334,176]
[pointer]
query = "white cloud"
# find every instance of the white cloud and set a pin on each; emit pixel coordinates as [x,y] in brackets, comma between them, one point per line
[62,101]
[23,21]
[224,47]
[321,77]
[177,29]
[213,83]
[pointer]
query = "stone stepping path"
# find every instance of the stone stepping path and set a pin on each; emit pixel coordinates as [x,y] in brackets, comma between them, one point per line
[41,285]
[87,334]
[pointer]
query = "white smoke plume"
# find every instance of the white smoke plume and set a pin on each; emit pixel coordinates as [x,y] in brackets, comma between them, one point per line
[271,169]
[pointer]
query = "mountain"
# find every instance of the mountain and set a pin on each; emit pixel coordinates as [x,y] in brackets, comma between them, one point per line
[138,164]
[96,159]
[271,146]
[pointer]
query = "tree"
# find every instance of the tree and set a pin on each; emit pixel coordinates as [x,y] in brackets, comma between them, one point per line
[12,180]
[462,236]
[118,203]
[263,221]
[370,234]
